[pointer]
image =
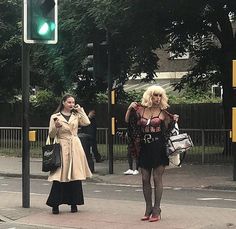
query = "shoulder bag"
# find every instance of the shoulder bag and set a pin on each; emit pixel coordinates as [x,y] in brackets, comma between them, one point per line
[51,156]
[179,143]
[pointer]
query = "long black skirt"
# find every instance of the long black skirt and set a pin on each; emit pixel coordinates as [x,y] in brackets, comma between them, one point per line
[70,193]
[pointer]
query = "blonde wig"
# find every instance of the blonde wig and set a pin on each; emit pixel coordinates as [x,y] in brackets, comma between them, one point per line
[148,94]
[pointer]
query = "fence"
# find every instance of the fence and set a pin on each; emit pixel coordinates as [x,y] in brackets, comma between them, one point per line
[210,145]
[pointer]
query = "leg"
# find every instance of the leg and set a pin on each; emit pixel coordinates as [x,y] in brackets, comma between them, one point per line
[147,190]
[136,163]
[95,151]
[130,160]
[136,172]
[158,189]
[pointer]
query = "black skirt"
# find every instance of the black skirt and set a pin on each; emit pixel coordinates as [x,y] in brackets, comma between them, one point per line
[70,193]
[153,151]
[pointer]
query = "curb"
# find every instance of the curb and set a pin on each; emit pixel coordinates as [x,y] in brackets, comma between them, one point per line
[94,179]
[98,179]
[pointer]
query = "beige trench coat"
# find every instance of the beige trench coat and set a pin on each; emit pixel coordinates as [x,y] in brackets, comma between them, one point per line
[74,163]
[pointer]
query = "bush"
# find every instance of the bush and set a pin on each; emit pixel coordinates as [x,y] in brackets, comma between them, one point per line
[44,101]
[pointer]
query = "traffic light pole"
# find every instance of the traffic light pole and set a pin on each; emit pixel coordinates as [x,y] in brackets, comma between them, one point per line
[25,125]
[233,123]
[109,82]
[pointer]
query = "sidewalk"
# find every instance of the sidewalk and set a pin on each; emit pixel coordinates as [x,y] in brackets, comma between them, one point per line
[188,176]
[117,214]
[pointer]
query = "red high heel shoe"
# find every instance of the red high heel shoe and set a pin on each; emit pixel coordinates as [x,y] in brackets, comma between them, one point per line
[155,218]
[146,217]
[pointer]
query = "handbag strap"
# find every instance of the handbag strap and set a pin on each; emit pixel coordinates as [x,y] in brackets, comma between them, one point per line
[168,113]
[48,141]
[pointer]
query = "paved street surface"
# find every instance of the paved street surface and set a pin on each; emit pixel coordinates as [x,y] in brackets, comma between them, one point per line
[111,211]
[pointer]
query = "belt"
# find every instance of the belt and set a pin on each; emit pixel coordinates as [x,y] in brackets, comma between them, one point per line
[147,138]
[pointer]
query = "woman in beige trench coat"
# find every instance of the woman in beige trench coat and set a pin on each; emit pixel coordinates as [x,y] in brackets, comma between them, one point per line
[67,186]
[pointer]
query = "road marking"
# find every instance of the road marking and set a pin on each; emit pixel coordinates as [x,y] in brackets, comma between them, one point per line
[216,198]
[4,184]
[177,189]
[212,198]
[118,190]
[230,199]
[118,185]
[32,193]
[97,191]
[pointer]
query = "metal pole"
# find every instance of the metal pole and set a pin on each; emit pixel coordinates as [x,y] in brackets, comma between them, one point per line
[234,160]
[109,82]
[25,124]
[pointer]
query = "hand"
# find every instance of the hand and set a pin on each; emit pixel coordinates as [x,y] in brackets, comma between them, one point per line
[57,123]
[175,117]
[133,105]
[77,107]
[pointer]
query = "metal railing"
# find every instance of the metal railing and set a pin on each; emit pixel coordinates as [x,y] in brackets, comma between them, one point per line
[210,145]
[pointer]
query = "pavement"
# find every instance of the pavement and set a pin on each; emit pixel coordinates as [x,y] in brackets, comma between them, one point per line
[119,214]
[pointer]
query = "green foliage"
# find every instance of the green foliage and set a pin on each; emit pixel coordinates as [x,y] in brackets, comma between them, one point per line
[185,97]
[10,48]
[44,100]
[137,28]
[193,96]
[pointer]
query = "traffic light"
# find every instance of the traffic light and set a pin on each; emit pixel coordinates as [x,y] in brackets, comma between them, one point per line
[40,21]
[97,60]
[90,59]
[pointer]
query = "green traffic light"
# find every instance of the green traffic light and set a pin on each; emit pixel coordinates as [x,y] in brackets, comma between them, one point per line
[43,20]
[44,29]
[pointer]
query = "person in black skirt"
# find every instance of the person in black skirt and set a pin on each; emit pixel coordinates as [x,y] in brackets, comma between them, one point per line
[67,185]
[155,123]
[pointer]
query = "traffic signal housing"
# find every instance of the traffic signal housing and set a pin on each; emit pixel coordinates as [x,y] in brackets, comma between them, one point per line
[97,60]
[40,21]
[91,59]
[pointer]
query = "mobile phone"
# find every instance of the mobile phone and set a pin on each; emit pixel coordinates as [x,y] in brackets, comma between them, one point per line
[74,109]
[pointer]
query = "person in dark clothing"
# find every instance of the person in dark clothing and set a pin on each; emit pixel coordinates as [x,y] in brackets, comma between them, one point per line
[91,131]
[133,135]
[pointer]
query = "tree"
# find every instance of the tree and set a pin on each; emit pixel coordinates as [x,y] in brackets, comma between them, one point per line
[136,31]
[206,29]
[10,48]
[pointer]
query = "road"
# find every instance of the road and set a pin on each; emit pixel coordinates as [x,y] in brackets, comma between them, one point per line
[178,196]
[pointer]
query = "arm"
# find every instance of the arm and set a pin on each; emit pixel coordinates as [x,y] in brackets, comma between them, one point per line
[170,121]
[83,118]
[52,127]
[132,105]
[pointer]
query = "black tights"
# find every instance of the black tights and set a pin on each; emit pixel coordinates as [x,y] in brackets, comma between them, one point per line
[147,189]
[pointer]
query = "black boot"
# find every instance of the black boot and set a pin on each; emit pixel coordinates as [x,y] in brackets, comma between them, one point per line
[74,208]
[55,210]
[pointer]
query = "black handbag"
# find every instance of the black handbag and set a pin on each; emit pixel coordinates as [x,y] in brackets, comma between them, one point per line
[51,157]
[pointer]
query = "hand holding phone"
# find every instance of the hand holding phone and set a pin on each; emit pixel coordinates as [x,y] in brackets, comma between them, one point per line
[75,108]
[57,123]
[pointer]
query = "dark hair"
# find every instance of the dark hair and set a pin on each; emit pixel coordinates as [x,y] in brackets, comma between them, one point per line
[64,98]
